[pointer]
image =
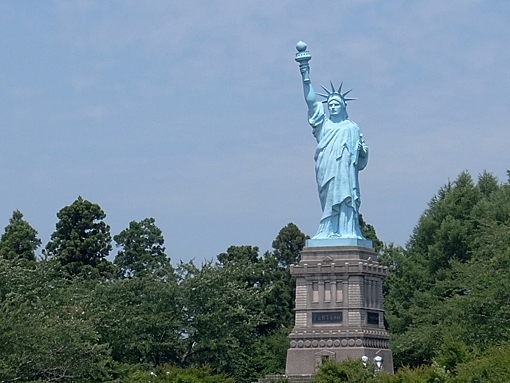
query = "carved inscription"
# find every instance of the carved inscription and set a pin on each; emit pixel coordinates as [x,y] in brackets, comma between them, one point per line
[327,317]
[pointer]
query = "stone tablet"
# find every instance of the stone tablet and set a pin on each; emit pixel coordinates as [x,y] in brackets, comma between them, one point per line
[327,317]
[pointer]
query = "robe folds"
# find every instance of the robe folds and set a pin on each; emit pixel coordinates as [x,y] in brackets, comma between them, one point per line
[337,163]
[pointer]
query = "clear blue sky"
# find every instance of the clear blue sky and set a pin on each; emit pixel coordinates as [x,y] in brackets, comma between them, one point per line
[192,112]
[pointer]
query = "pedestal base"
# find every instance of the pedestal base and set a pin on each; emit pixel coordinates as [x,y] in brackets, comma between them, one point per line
[304,362]
[339,311]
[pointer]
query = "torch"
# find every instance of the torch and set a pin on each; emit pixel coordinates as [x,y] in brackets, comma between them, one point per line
[302,57]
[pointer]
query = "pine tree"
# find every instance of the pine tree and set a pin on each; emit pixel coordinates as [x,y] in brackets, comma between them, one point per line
[82,240]
[19,240]
[142,249]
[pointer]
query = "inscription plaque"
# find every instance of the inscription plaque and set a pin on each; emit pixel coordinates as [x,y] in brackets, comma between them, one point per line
[373,318]
[327,317]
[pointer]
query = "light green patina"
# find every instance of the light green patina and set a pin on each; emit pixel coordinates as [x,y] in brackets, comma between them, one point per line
[341,153]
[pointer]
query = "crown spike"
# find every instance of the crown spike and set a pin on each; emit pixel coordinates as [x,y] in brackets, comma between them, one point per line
[340,87]
[322,95]
[332,86]
[346,93]
[350,99]
[326,89]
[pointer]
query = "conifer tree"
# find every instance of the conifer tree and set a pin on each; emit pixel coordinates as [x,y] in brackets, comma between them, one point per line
[142,249]
[82,240]
[19,240]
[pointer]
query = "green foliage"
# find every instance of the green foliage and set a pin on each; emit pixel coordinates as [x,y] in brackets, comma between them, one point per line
[448,292]
[270,352]
[223,313]
[352,371]
[421,374]
[493,366]
[43,330]
[81,241]
[61,348]
[271,275]
[19,240]
[141,319]
[368,232]
[171,374]
[288,244]
[142,249]
[447,300]
[239,254]
[451,353]
[233,316]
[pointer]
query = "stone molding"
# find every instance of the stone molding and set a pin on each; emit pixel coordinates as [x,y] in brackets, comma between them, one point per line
[378,343]
[351,268]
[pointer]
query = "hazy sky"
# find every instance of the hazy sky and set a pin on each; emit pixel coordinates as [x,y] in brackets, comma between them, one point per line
[192,112]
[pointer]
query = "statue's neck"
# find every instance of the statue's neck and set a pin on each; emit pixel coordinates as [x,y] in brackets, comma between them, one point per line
[342,116]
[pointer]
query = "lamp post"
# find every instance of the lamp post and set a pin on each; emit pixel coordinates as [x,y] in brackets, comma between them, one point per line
[378,362]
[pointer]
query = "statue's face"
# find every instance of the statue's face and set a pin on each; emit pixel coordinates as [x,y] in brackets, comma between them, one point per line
[335,107]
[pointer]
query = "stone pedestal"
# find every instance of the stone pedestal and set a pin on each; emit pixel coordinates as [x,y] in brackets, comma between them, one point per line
[339,309]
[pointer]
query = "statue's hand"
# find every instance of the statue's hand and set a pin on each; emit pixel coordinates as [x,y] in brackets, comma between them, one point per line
[362,148]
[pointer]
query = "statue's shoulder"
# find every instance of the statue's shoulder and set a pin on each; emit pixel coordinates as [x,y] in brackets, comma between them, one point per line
[349,124]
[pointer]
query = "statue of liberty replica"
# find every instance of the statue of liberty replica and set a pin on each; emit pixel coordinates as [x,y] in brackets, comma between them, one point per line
[339,302]
[341,153]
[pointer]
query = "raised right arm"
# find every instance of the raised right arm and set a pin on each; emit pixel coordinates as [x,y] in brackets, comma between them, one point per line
[310,97]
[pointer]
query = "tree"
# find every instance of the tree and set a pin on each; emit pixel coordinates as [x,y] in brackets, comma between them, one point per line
[236,254]
[269,277]
[82,239]
[446,227]
[288,244]
[223,314]
[44,332]
[368,232]
[272,280]
[19,240]
[59,348]
[142,319]
[142,249]
[449,290]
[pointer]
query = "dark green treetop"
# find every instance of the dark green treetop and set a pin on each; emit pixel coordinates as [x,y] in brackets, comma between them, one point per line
[142,249]
[19,240]
[368,232]
[82,240]
[236,254]
[288,244]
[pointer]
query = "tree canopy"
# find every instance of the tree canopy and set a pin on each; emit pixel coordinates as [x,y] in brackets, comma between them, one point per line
[73,316]
[81,241]
[19,240]
[142,249]
[450,286]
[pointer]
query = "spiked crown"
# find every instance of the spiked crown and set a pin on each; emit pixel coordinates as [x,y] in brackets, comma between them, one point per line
[336,94]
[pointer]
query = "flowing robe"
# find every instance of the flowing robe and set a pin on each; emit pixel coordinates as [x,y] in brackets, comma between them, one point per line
[337,163]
